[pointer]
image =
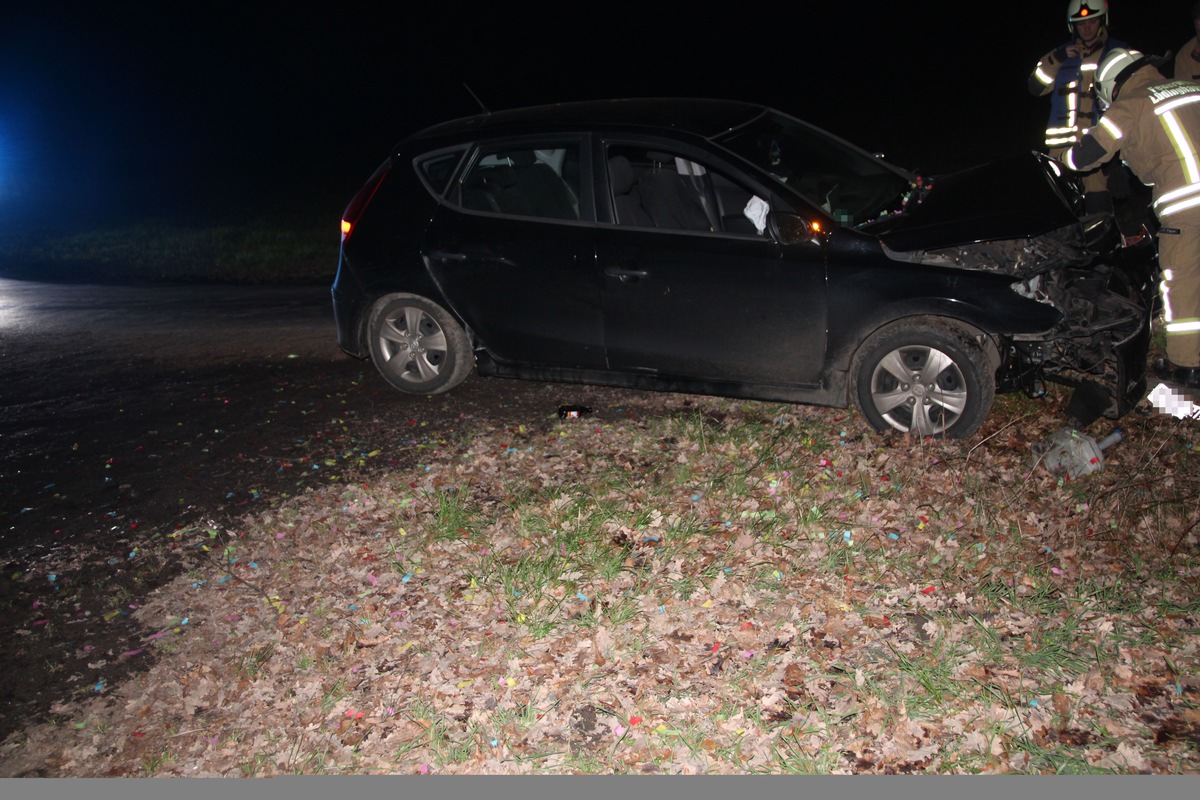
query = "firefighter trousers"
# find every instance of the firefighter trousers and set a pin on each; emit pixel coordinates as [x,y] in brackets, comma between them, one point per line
[1179,259]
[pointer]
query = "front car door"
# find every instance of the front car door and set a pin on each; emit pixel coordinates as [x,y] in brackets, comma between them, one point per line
[691,288]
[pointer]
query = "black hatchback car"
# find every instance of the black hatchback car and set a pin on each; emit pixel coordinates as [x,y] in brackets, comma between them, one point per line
[726,248]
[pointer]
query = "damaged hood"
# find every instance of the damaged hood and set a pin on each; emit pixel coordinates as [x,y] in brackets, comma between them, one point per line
[1019,197]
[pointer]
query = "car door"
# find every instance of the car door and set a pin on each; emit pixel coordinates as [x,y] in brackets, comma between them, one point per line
[722,303]
[512,253]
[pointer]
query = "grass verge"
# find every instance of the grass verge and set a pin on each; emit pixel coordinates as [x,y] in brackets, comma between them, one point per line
[279,249]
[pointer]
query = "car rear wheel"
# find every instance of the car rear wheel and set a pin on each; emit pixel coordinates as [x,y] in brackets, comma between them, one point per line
[924,377]
[416,345]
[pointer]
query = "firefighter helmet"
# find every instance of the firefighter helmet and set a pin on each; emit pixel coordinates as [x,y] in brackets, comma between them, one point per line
[1080,10]
[1117,65]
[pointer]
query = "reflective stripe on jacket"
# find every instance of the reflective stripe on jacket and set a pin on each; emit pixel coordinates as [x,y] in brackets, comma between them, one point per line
[1069,84]
[1155,125]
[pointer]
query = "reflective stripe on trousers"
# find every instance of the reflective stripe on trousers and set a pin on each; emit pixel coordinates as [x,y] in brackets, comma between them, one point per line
[1179,257]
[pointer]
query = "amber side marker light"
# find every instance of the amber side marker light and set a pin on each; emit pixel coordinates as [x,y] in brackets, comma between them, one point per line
[346,226]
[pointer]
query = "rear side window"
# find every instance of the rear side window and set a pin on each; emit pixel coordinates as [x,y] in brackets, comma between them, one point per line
[524,181]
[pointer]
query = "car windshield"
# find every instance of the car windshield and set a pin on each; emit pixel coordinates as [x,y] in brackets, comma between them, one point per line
[850,184]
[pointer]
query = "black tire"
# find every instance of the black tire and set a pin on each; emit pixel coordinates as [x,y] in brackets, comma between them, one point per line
[417,346]
[923,377]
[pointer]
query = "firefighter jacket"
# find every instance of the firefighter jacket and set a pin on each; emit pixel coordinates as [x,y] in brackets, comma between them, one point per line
[1068,81]
[1155,125]
[1187,60]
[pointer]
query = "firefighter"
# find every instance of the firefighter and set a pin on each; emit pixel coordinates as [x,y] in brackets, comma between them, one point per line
[1154,123]
[1187,60]
[1065,74]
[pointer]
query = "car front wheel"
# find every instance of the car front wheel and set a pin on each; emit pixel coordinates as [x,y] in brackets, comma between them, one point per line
[924,377]
[416,345]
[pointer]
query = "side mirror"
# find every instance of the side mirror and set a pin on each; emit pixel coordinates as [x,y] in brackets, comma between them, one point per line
[792,229]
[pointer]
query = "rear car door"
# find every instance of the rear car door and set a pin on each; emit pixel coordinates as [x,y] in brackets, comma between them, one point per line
[691,288]
[512,252]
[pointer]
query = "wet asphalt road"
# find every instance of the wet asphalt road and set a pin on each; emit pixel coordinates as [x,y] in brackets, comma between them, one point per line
[127,410]
[114,397]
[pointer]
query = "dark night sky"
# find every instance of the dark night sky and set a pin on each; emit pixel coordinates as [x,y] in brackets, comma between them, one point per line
[204,109]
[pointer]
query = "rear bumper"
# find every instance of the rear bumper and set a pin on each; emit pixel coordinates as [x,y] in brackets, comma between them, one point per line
[347,311]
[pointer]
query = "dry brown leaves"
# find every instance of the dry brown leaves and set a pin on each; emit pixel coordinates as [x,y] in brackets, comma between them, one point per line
[813,598]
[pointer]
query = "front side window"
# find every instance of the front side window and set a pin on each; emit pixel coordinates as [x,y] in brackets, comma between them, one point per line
[524,181]
[655,188]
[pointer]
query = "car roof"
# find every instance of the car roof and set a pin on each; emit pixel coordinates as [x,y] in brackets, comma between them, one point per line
[697,116]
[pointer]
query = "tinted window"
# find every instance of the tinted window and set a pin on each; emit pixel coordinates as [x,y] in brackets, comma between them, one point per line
[438,170]
[524,181]
[654,188]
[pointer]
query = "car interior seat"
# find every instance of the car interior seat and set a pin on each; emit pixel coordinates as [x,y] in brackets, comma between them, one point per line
[670,200]
[627,197]
[540,187]
[476,194]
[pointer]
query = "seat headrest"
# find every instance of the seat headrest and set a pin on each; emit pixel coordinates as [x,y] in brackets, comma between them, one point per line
[620,172]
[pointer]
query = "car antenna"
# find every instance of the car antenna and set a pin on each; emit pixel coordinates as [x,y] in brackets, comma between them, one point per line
[477,100]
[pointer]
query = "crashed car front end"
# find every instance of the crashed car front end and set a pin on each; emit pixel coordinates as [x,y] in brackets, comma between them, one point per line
[1101,342]
[1021,218]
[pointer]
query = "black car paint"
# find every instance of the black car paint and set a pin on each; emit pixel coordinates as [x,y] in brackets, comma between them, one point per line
[1015,197]
[539,273]
[583,300]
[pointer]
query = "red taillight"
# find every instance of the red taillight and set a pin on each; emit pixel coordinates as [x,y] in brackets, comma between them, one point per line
[360,200]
